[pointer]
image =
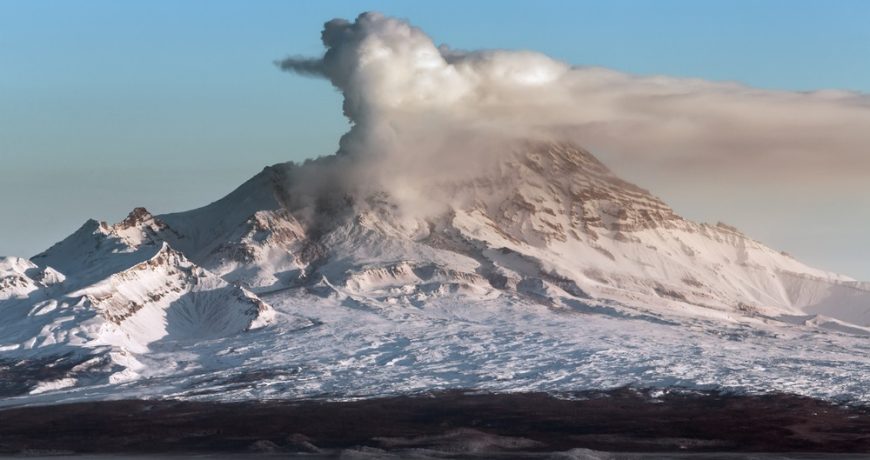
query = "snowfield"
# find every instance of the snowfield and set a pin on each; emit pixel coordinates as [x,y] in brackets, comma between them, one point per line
[549,274]
[359,347]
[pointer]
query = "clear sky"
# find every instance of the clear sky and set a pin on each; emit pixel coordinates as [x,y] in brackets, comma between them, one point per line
[108,105]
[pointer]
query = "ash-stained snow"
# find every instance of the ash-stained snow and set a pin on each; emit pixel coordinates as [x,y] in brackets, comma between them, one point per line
[548,274]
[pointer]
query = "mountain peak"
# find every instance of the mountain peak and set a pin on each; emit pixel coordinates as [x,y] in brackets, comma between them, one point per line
[136,217]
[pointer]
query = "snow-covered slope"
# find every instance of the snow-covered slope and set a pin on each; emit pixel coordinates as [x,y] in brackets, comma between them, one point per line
[546,234]
[21,277]
[128,294]
[547,214]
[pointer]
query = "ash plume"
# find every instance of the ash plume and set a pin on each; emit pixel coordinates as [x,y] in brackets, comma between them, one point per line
[420,111]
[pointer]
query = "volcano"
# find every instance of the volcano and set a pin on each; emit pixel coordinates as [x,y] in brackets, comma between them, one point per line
[545,273]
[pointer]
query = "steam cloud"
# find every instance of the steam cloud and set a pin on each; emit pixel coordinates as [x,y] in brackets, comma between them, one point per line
[417,108]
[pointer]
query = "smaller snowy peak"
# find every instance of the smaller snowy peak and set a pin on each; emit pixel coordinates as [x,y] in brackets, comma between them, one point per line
[136,217]
[163,297]
[141,227]
[19,278]
[167,296]
[97,249]
[258,250]
[15,264]
[14,281]
[99,332]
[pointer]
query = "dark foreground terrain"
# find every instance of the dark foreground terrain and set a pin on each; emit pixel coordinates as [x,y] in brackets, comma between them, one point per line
[446,425]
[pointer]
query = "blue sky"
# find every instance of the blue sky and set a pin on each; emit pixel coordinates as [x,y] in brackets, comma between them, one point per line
[108,105]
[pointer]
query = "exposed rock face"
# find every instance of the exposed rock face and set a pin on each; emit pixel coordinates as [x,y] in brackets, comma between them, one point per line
[558,191]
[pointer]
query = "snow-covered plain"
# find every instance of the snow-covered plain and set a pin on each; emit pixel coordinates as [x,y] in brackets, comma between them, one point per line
[360,347]
[549,274]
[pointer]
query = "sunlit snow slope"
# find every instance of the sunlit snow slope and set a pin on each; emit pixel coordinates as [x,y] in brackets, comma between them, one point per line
[546,273]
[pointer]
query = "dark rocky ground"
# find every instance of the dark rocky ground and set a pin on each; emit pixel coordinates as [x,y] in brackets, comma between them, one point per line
[447,424]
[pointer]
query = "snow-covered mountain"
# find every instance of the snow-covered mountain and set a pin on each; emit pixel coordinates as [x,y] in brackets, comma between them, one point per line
[519,268]
[129,290]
